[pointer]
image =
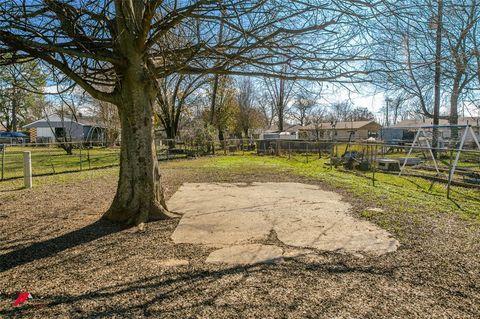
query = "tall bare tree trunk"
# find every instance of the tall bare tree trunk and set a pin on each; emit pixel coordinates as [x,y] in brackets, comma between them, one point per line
[139,196]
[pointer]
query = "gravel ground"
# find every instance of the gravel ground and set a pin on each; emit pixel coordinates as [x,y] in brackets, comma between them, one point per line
[53,245]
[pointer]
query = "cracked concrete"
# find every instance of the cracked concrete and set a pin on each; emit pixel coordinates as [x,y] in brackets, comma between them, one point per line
[303,216]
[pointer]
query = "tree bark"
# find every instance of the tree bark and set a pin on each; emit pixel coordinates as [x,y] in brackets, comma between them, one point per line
[280,117]
[171,131]
[139,196]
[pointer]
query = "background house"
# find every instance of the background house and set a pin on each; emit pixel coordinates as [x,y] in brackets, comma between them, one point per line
[406,129]
[339,130]
[84,128]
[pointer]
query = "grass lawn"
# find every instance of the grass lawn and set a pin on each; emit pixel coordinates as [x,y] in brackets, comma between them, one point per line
[54,160]
[396,194]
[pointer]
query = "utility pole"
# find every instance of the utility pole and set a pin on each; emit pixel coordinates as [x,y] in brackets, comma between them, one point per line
[387,122]
[438,72]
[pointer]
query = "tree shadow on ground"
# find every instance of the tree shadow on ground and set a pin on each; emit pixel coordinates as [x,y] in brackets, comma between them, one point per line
[191,293]
[58,244]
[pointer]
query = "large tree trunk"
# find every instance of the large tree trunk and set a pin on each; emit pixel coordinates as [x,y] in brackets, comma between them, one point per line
[171,135]
[139,196]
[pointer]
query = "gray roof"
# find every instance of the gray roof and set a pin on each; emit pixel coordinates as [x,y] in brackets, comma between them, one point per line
[416,123]
[349,125]
[57,121]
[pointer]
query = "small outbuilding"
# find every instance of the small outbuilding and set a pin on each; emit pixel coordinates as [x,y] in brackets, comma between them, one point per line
[76,129]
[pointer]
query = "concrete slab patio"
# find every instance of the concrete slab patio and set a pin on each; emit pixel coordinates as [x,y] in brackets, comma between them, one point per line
[301,215]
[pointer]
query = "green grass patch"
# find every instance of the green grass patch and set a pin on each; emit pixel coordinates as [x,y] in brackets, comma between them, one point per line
[17,184]
[54,160]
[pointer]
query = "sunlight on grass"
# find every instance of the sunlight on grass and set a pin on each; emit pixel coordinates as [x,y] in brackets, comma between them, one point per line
[17,184]
[54,160]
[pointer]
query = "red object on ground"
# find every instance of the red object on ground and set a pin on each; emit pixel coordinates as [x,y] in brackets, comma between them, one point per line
[22,297]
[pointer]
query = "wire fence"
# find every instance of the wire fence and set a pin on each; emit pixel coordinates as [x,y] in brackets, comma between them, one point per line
[173,149]
[55,158]
[449,163]
[66,157]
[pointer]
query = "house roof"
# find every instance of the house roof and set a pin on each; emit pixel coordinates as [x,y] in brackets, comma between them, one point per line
[57,121]
[350,125]
[415,123]
[274,128]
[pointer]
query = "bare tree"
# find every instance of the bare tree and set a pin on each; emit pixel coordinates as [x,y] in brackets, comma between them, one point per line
[175,92]
[427,50]
[117,50]
[268,109]
[340,111]
[302,107]
[317,118]
[249,116]
[280,93]
[108,116]
[461,20]
[397,106]
[360,114]
[20,94]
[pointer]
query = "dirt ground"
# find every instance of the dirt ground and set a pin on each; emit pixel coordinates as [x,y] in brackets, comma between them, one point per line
[53,245]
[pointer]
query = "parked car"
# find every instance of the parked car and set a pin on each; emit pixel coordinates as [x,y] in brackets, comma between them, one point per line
[13,138]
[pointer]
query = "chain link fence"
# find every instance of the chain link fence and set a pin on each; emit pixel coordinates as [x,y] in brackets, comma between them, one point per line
[451,163]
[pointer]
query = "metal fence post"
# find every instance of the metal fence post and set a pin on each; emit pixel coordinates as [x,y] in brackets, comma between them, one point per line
[449,174]
[27,169]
